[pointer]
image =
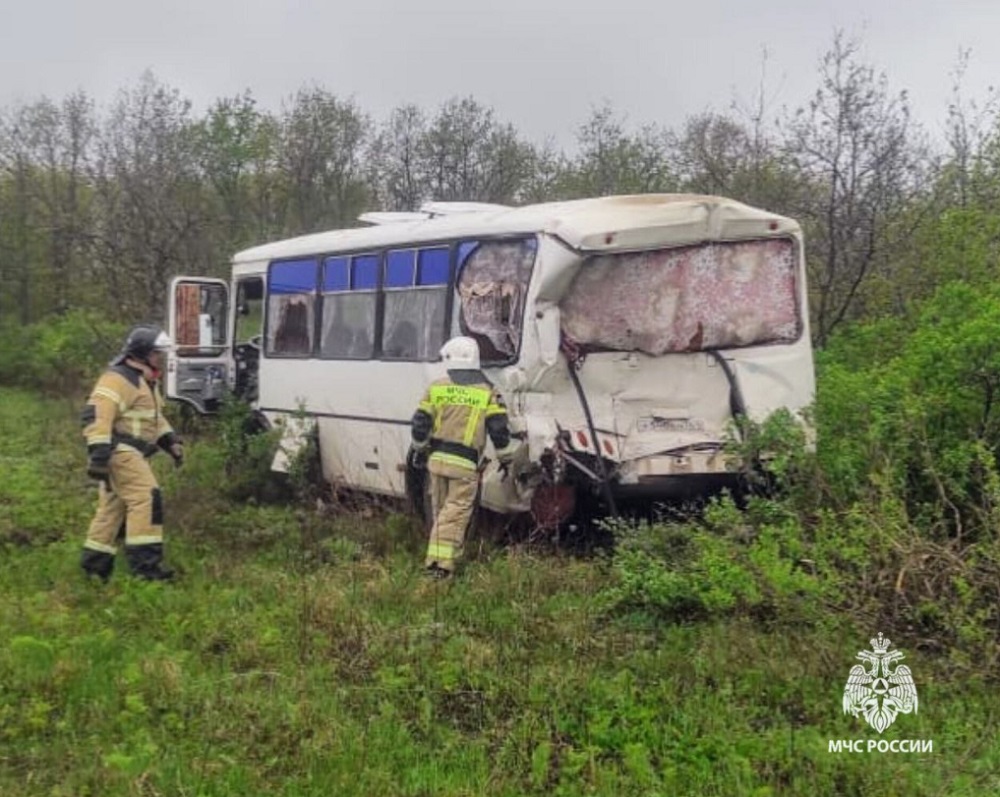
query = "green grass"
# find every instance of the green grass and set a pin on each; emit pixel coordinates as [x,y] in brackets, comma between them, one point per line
[303,654]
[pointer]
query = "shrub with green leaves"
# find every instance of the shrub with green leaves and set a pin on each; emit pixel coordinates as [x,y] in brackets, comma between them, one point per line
[60,354]
[729,561]
[924,420]
[245,450]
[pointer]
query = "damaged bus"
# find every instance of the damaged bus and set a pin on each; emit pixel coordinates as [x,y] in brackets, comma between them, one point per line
[625,334]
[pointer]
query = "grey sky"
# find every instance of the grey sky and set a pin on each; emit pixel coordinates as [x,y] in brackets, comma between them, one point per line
[541,64]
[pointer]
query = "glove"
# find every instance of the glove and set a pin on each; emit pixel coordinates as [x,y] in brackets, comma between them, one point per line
[99,471]
[99,463]
[416,458]
[174,446]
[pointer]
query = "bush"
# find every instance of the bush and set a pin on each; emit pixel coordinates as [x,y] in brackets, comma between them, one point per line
[60,355]
[892,523]
[247,450]
[774,455]
[924,422]
[728,562]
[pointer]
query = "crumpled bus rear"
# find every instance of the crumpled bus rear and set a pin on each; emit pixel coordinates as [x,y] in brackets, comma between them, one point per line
[668,346]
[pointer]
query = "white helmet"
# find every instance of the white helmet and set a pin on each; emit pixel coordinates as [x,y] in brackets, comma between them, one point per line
[162,342]
[461,354]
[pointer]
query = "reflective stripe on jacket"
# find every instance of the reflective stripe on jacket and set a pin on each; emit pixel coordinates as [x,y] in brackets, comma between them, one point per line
[458,420]
[124,408]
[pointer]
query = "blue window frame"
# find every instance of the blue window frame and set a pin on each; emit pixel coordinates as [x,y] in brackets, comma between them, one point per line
[364,272]
[292,276]
[400,265]
[465,248]
[433,266]
[416,303]
[291,307]
[336,274]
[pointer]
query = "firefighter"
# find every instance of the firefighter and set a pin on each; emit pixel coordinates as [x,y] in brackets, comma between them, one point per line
[124,426]
[449,431]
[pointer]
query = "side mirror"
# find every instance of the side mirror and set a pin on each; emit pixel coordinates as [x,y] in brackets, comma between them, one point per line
[243,308]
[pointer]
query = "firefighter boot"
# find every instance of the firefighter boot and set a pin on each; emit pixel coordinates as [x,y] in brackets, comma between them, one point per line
[146,562]
[436,572]
[99,564]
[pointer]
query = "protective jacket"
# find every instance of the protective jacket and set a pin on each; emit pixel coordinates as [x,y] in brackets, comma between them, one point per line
[454,418]
[125,410]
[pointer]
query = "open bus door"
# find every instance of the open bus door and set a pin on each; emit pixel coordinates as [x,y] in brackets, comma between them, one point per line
[200,365]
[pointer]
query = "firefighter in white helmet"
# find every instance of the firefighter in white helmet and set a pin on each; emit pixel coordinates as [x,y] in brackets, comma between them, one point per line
[450,426]
[124,426]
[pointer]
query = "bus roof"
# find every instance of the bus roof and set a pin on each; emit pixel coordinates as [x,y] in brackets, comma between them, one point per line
[614,223]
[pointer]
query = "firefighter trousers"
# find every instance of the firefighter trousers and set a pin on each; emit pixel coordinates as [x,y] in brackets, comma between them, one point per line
[129,506]
[453,499]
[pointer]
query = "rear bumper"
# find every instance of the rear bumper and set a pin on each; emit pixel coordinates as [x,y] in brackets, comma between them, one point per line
[673,488]
[682,474]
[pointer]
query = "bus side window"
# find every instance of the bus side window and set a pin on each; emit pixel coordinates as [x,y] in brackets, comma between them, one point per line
[492,285]
[249,309]
[291,307]
[401,342]
[350,292]
[416,296]
[292,336]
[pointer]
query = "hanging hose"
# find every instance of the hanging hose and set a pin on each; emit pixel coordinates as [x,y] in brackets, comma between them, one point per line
[574,360]
[737,406]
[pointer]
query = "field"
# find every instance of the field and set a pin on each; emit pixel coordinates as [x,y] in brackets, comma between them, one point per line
[302,653]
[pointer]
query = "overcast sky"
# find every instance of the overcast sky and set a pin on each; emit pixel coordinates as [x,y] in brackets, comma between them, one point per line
[541,64]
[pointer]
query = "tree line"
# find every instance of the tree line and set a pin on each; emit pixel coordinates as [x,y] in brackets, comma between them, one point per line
[112,202]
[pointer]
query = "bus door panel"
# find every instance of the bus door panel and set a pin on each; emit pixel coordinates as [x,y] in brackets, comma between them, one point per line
[199,364]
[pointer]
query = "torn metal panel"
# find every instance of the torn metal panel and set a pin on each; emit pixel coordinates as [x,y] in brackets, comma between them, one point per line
[710,296]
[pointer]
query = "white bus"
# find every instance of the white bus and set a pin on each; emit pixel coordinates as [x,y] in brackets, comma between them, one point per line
[625,334]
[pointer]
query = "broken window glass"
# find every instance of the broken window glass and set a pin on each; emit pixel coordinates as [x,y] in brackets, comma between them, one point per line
[492,286]
[710,296]
[291,332]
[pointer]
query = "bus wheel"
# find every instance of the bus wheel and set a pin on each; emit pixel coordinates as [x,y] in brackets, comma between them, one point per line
[552,505]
